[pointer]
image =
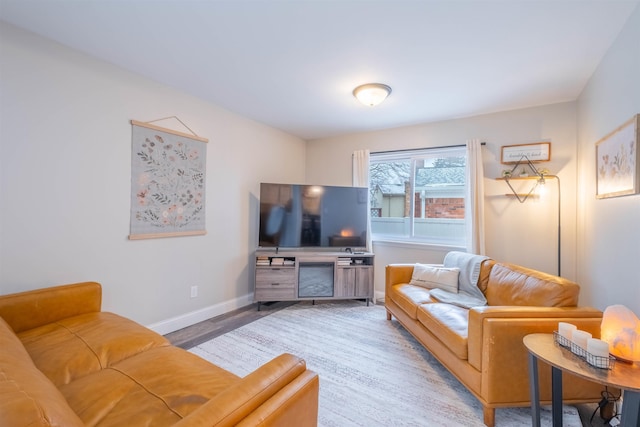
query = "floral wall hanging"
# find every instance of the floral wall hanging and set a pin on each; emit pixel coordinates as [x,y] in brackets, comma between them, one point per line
[617,161]
[168,176]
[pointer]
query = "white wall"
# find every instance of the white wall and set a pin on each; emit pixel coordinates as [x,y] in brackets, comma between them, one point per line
[65,180]
[609,238]
[524,234]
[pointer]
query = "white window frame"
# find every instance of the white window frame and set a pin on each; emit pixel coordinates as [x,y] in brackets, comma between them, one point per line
[415,155]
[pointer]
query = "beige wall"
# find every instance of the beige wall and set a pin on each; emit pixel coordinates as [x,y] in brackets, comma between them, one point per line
[520,233]
[66,180]
[609,236]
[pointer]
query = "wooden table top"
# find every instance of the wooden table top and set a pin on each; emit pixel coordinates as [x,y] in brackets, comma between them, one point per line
[622,375]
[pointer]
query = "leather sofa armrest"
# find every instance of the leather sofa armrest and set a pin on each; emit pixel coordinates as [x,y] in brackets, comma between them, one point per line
[30,309]
[496,348]
[496,333]
[548,317]
[279,393]
[397,273]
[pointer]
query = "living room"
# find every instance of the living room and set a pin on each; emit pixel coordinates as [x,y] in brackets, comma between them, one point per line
[66,179]
[66,183]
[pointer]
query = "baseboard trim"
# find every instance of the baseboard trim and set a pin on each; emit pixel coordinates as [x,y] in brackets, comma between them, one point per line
[182,321]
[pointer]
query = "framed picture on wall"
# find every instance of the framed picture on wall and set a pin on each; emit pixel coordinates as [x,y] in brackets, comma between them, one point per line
[617,159]
[537,152]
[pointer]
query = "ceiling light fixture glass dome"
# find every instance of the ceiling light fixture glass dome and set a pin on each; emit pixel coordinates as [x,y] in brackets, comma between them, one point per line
[372,94]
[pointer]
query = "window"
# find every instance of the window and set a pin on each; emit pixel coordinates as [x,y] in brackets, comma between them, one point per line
[418,195]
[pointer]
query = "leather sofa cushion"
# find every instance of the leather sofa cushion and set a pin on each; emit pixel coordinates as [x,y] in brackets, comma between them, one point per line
[409,297]
[79,345]
[449,323]
[514,285]
[30,309]
[155,388]
[27,397]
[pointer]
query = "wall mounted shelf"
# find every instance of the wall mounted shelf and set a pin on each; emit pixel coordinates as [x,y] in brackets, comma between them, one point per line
[515,178]
[537,176]
[522,197]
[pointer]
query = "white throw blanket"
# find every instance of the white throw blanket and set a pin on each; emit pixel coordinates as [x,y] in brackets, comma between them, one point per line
[469,295]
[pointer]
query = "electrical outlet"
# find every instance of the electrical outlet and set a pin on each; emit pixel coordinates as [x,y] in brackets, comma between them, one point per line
[194,291]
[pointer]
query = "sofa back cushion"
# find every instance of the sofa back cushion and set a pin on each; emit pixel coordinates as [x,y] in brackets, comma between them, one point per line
[28,397]
[511,284]
[28,310]
[485,272]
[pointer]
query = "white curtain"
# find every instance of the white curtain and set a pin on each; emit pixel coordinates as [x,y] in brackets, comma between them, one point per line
[361,179]
[474,213]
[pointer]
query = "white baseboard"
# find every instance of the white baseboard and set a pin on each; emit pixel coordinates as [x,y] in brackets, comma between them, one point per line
[175,323]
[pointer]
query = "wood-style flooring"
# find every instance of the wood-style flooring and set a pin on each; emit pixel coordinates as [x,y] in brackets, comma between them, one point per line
[219,325]
[206,330]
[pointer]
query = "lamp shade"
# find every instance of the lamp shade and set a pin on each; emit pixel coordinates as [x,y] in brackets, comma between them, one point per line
[621,329]
[372,94]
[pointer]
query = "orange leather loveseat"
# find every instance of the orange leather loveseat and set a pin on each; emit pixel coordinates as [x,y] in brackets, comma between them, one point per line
[63,362]
[482,345]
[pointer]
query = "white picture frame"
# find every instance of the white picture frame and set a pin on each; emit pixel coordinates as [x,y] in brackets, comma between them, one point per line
[617,159]
[535,153]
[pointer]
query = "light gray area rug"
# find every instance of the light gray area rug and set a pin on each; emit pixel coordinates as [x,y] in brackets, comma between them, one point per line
[372,372]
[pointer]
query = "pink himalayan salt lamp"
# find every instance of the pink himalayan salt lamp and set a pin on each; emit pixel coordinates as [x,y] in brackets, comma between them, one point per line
[621,329]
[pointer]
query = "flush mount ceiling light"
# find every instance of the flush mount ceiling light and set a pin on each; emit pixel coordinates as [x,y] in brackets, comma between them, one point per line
[372,94]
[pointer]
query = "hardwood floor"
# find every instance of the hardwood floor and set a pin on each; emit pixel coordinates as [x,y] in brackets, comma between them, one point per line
[219,325]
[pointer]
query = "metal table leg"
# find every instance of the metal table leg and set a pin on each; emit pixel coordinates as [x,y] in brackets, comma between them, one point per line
[534,390]
[631,409]
[556,396]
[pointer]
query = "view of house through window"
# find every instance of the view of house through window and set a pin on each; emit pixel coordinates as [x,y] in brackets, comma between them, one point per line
[418,195]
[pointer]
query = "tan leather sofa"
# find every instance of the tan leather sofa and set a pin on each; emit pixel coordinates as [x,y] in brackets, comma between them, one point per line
[482,346]
[63,362]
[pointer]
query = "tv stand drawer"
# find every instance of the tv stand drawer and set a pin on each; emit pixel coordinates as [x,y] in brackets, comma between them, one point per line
[275,293]
[275,284]
[266,277]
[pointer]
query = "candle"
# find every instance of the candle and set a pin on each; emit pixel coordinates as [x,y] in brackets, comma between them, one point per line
[598,347]
[598,353]
[566,330]
[579,338]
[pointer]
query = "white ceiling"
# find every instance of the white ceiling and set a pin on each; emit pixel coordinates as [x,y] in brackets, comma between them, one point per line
[293,64]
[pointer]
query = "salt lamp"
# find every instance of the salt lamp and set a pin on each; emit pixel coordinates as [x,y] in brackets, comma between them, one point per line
[621,329]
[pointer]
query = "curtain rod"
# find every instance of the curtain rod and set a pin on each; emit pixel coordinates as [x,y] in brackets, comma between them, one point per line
[425,148]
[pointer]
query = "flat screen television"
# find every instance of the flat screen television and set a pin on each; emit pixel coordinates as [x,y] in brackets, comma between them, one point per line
[320,216]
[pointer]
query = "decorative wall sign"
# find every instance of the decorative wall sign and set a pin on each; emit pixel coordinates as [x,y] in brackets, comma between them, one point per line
[168,171]
[535,153]
[617,159]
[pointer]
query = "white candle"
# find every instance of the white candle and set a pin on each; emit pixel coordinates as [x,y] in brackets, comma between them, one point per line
[598,347]
[598,353]
[566,329]
[580,338]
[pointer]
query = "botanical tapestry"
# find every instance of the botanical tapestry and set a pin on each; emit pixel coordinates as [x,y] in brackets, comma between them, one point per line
[167,183]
